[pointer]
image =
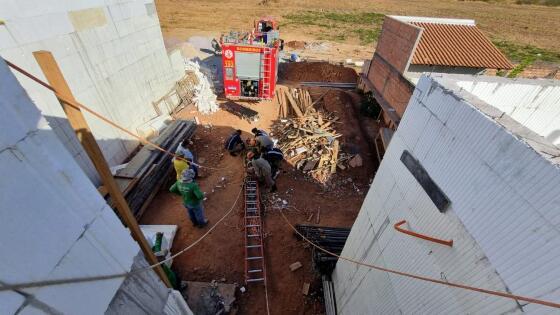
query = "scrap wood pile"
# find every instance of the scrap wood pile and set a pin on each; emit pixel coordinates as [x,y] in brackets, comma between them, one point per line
[307,135]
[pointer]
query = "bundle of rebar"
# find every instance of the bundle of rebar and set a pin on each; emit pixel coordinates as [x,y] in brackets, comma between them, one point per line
[330,238]
[241,111]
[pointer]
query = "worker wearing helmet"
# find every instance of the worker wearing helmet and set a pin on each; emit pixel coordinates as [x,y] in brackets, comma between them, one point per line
[188,189]
[262,170]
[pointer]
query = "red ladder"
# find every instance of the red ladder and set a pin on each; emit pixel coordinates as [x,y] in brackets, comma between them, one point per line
[254,249]
[266,72]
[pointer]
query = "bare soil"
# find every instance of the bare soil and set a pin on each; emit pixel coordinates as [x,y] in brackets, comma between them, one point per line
[221,254]
[317,72]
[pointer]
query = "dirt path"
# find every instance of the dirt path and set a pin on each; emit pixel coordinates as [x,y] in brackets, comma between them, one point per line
[221,256]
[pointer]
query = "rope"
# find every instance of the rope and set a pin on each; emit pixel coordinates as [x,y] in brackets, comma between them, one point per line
[79,105]
[423,278]
[26,285]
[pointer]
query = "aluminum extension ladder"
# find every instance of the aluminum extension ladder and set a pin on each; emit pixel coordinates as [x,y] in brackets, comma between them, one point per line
[266,72]
[254,250]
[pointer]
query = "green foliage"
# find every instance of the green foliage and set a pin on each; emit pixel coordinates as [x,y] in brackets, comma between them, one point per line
[369,106]
[340,25]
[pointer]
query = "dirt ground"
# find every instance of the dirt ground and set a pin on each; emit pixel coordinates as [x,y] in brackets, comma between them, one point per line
[220,256]
[316,72]
[500,19]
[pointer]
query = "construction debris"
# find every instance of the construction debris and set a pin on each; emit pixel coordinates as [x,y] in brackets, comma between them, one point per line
[305,289]
[356,161]
[210,298]
[308,139]
[295,266]
[204,96]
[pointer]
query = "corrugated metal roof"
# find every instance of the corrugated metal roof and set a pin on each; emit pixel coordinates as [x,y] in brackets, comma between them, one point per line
[458,46]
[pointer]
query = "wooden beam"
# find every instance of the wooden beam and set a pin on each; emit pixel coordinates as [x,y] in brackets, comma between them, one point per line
[76,119]
[294,104]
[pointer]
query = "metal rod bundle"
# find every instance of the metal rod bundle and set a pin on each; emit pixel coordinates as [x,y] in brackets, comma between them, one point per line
[329,238]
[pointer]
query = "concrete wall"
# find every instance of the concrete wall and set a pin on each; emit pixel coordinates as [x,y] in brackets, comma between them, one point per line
[534,104]
[504,196]
[112,55]
[54,222]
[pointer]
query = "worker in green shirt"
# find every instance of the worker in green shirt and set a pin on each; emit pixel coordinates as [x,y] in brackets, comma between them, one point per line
[187,188]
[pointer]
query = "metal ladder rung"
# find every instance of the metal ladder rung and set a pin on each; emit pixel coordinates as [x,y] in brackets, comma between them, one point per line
[255,280]
[253,235]
[254,258]
[253,246]
[252,225]
[254,271]
[252,217]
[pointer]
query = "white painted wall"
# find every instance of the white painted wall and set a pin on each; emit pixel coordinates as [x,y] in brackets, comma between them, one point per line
[54,224]
[533,103]
[503,216]
[112,55]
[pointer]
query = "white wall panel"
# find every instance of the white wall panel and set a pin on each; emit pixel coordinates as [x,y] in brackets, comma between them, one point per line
[503,216]
[117,64]
[54,222]
[533,103]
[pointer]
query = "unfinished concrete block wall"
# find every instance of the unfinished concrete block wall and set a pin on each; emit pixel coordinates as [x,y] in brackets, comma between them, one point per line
[54,222]
[502,217]
[534,104]
[112,55]
[392,56]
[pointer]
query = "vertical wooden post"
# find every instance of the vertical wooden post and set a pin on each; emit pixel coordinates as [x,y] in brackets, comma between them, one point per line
[76,118]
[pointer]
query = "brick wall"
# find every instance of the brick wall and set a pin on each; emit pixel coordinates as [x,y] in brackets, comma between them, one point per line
[394,49]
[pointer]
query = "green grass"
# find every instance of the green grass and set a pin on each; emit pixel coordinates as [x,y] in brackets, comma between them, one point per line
[524,55]
[339,26]
[549,3]
[519,53]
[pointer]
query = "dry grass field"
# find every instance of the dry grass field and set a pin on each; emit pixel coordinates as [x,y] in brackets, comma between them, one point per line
[521,31]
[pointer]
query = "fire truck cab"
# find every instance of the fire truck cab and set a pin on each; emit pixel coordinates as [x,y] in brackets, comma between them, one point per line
[250,61]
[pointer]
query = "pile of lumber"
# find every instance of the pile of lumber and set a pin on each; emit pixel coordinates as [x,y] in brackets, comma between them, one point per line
[308,138]
[294,102]
[150,168]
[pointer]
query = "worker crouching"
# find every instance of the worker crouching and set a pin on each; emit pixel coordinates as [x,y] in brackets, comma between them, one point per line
[234,144]
[274,157]
[261,169]
[188,189]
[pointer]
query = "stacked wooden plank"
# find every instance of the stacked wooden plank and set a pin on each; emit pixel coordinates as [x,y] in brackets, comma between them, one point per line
[308,138]
[150,168]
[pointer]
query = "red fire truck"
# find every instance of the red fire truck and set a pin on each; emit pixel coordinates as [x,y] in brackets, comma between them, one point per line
[250,61]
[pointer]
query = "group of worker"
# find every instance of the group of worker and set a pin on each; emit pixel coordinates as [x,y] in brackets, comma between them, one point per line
[187,172]
[262,160]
